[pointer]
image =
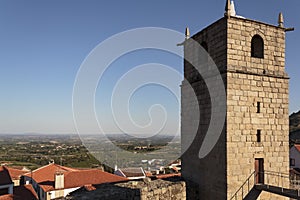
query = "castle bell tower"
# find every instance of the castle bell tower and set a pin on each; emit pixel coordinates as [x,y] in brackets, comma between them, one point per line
[250,57]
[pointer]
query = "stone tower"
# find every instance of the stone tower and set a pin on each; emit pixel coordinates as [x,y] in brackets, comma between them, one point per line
[250,56]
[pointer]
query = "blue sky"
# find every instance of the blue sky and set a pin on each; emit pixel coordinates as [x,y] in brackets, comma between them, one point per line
[43,43]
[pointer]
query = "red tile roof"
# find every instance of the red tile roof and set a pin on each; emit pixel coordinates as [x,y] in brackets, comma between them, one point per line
[4,176]
[92,176]
[46,173]
[297,146]
[162,176]
[7,197]
[44,176]
[15,173]
[148,174]
[90,187]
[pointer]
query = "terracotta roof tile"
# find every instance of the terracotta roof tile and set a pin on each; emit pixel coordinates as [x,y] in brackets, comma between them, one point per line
[148,174]
[93,176]
[162,176]
[297,146]
[44,176]
[7,197]
[15,173]
[90,187]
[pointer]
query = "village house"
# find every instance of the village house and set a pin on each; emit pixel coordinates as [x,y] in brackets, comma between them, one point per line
[54,181]
[295,156]
[10,188]
[6,184]
[16,173]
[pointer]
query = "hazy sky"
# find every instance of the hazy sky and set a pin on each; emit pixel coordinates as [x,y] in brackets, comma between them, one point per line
[43,43]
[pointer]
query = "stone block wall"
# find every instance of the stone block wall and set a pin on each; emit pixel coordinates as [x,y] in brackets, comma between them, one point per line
[135,190]
[249,81]
[207,175]
[163,190]
[252,81]
[240,33]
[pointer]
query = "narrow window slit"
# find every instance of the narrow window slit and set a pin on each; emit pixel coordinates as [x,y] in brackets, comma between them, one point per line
[258,136]
[258,107]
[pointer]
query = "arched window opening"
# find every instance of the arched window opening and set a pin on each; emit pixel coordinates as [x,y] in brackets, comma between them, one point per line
[257,47]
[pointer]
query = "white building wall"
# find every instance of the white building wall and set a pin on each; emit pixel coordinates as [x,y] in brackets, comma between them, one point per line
[68,191]
[56,194]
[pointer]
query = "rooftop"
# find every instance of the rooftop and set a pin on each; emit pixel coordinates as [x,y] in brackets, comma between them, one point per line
[132,172]
[15,173]
[45,176]
[297,146]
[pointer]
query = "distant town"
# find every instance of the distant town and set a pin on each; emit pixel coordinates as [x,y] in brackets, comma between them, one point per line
[36,158]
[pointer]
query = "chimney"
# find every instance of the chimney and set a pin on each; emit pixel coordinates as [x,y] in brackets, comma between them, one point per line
[59,180]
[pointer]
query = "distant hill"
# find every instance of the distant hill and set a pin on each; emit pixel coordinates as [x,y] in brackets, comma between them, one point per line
[295,127]
[295,122]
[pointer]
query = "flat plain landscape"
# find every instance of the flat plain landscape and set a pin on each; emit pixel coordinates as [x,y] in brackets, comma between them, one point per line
[36,150]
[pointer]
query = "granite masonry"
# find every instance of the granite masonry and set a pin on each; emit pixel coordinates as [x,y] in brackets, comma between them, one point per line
[250,56]
[146,189]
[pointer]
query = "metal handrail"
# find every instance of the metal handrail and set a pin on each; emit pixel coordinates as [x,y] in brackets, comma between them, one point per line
[242,187]
[275,173]
[267,176]
[280,182]
[293,180]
